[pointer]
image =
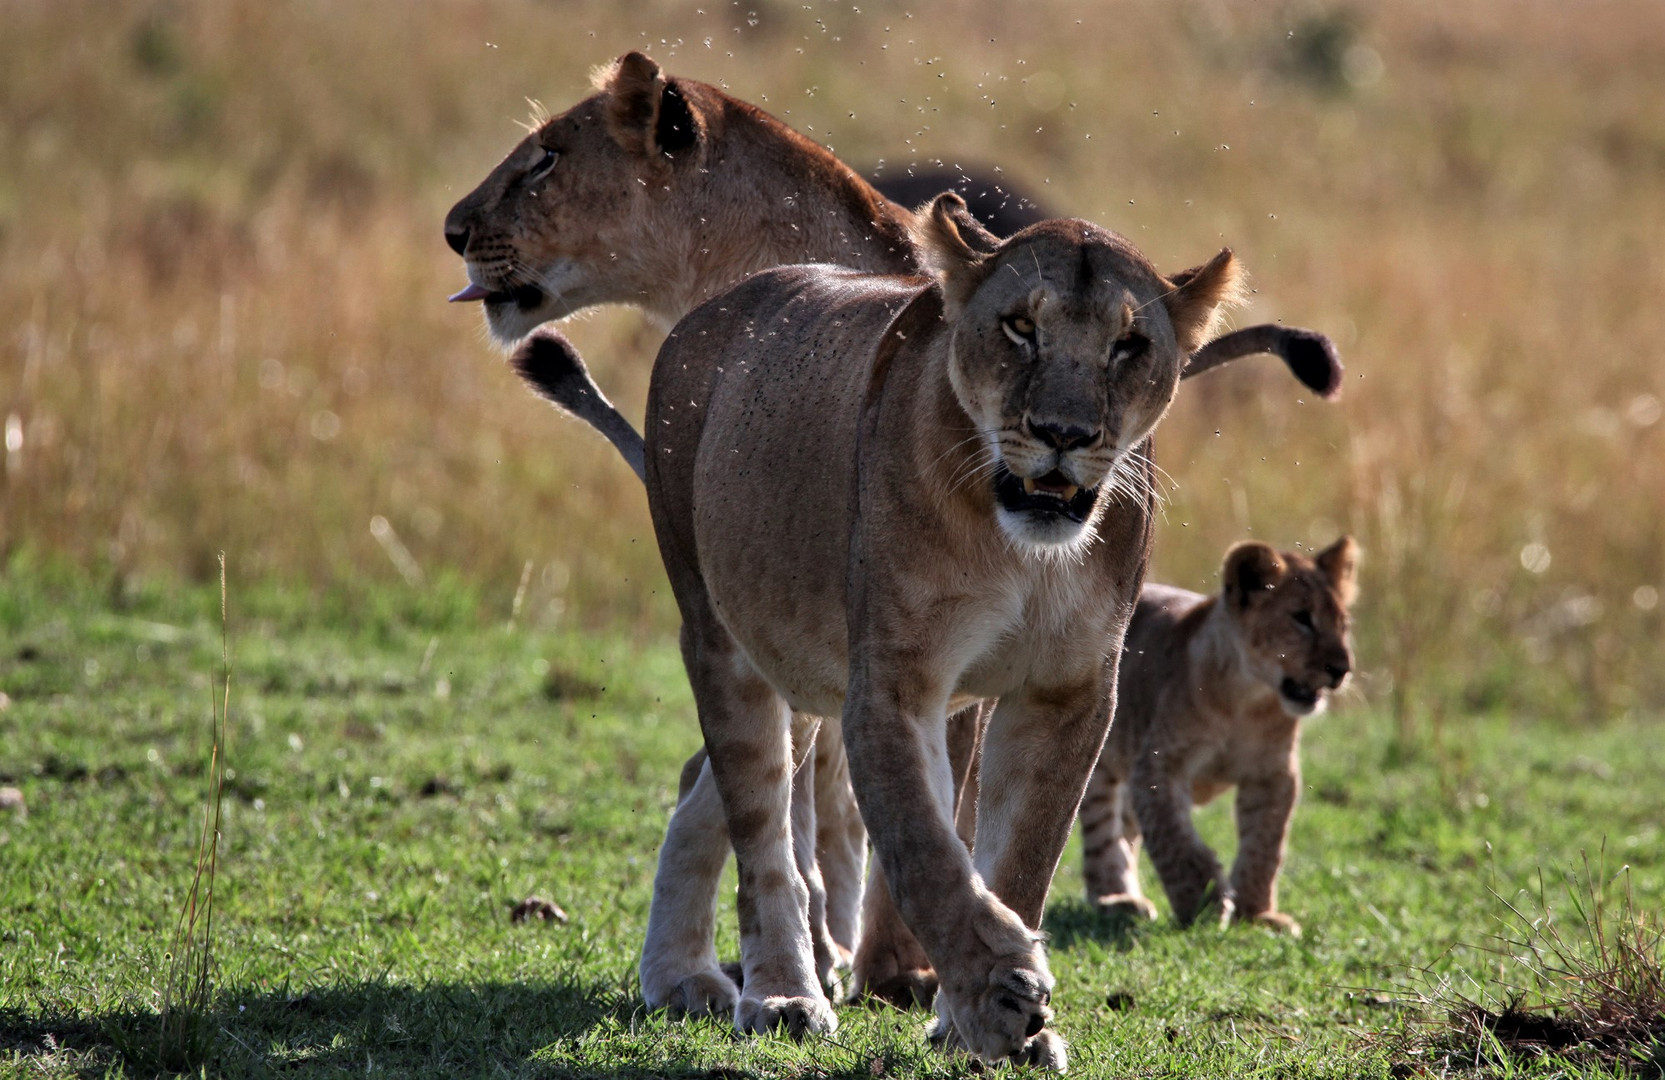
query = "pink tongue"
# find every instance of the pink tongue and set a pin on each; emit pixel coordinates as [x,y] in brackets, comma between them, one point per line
[473,292]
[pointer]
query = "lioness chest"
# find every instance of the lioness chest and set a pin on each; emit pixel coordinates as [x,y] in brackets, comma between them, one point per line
[765,441]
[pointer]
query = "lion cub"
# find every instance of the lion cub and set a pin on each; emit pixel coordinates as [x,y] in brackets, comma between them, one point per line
[1210,696]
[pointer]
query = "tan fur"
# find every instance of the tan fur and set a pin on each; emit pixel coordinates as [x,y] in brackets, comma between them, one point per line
[620,217]
[1211,693]
[835,465]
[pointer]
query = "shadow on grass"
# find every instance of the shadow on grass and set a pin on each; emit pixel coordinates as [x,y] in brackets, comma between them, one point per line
[437,1030]
[1072,922]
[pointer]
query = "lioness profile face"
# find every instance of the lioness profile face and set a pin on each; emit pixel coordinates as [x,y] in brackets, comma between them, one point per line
[1065,357]
[1292,614]
[554,227]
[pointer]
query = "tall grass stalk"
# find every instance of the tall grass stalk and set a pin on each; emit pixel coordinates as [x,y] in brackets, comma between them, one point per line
[186,1038]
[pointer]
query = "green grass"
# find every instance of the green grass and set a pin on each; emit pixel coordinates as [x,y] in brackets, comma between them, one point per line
[398,778]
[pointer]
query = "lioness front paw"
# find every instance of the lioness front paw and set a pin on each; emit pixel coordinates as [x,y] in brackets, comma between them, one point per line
[1126,904]
[705,993]
[1046,1050]
[999,1017]
[799,1016]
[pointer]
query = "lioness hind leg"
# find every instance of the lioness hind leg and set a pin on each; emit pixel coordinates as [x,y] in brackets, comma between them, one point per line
[679,969]
[827,956]
[1110,847]
[840,839]
[748,736]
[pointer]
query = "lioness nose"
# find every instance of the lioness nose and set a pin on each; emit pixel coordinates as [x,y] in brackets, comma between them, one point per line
[1337,672]
[1060,436]
[457,238]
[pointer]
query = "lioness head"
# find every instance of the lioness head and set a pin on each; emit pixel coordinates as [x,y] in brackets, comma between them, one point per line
[557,227]
[1066,350]
[1291,613]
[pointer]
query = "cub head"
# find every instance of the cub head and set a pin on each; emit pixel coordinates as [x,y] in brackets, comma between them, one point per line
[1066,348]
[1291,615]
[555,227]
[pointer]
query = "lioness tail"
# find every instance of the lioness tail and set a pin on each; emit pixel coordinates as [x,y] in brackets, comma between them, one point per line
[554,370]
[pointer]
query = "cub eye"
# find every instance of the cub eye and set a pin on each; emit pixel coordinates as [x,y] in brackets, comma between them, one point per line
[544,164]
[1129,347]
[1303,619]
[1020,329]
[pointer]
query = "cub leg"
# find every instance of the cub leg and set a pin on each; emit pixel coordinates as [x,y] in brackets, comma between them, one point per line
[679,969]
[1110,846]
[890,964]
[748,735]
[840,839]
[1190,873]
[1265,806]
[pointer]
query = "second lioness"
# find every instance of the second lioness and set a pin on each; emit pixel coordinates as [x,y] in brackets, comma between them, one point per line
[1211,694]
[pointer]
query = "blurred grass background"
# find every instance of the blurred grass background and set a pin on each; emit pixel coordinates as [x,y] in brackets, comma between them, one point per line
[222,283]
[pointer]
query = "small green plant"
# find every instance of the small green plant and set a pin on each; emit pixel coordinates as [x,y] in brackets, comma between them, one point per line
[1589,989]
[186,1038]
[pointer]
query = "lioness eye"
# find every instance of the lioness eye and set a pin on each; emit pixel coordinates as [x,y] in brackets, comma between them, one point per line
[1019,329]
[1303,619]
[1128,347]
[544,164]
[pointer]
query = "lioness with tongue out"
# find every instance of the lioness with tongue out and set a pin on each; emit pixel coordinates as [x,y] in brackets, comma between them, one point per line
[885,497]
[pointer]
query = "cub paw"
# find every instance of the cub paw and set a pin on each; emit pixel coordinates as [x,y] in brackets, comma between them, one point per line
[798,1016]
[912,989]
[706,993]
[1277,922]
[1126,905]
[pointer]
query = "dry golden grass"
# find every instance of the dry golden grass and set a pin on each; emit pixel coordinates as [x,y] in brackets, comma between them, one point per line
[222,282]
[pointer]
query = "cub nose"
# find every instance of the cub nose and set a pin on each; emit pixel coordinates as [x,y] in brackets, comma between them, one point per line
[1059,437]
[457,238]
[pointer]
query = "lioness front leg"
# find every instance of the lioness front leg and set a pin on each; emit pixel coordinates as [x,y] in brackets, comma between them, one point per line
[840,840]
[1190,873]
[1265,806]
[890,964]
[748,736]
[994,982]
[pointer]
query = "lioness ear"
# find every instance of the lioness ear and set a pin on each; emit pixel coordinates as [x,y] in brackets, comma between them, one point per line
[958,266]
[1340,563]
[645,113]
[1196,296]
[1250,569]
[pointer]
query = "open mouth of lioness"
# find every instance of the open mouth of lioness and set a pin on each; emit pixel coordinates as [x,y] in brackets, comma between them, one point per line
[1053,495]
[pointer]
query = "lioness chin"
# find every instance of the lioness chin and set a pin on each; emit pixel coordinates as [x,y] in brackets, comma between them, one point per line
[886,497]
[1210,696]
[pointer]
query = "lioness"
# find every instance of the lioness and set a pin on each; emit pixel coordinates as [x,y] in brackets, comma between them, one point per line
[659,191]
[1210,696]
[888,497]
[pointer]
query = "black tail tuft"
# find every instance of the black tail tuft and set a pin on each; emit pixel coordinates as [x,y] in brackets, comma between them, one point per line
[1313,359]
[551,366]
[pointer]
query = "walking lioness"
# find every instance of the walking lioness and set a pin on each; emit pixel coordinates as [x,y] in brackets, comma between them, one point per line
[1212,692]
[887,497]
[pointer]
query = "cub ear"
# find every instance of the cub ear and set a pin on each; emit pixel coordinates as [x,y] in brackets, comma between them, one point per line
[1196,295]
[957,265]
[1340,563]
[645,113]
[1251,568]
